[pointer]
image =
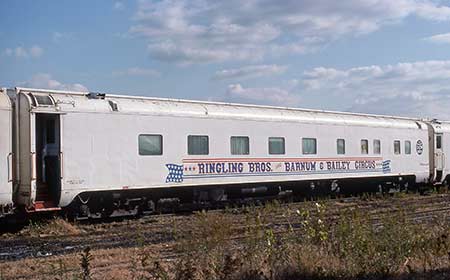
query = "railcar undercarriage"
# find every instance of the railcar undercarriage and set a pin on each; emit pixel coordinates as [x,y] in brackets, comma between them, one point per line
[135,202]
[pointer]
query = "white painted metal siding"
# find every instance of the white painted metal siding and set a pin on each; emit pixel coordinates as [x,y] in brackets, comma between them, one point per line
[101,146]
[5,150]
[444,129]
[27,156]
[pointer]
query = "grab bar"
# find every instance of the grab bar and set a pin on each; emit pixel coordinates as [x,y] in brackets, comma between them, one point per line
[61,165]
[33,166]
[10,173]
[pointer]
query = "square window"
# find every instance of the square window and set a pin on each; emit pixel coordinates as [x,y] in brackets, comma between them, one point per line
[239,145]
[150,145]
[309,146]
[276,146]
[198,145]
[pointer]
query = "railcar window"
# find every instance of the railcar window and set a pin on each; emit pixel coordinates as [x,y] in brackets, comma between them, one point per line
[309,146]
[198,145]
[364,146]
[340,145]
[407,147]
[438,141]
[397,149]
[377,146]
[276,146]
[239,145]
[150,145]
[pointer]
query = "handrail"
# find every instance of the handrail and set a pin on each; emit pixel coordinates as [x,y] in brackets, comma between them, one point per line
[10,173]
[33,166]
[61,165]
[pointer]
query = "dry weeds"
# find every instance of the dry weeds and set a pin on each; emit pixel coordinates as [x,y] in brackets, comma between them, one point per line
[301,243]
[54,227]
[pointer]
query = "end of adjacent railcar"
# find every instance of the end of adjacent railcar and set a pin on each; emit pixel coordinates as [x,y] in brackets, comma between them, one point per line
[6,153]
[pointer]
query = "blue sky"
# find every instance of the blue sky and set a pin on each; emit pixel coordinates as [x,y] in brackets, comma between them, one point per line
[370,56]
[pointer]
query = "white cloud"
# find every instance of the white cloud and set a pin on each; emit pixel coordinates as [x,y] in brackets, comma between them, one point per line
[21,52]
[137,71]
[418,89]
[45,81]
[432,10]
[439,38]
[58,37]
[205,31]
[118,6]
[36,51]
[267,96]
[8,52]
[251,71]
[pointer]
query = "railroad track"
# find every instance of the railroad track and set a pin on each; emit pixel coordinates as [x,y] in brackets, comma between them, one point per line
[159,229]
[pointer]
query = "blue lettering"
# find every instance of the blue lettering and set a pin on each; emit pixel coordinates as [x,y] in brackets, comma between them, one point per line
[212,168]
[240,167]
[251,167]
[201,168]
[287,166]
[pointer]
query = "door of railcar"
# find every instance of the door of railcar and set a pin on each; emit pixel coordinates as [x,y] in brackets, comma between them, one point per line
[40,152]
[439,157]
[48,161]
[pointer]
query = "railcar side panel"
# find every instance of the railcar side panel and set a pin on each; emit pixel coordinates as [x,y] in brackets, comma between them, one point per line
[101,152]
[6,154]
[27,157]
[441,151]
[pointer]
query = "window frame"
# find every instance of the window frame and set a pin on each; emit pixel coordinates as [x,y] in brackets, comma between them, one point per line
[377,152]
[284,145]
[366,141]
[231,144]
[303,146]
[408,151]
[146,135]
[198,154]
[399,147]
[439,141]
[337,146]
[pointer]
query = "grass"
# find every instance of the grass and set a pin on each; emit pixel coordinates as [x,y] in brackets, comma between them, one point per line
[351,247]
[53,227]
[270,242]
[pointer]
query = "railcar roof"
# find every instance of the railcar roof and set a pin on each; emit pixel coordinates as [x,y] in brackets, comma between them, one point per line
[79,101]
[5,103]
[441,126]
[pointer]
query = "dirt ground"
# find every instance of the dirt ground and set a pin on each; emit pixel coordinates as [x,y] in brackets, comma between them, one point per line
[396,237]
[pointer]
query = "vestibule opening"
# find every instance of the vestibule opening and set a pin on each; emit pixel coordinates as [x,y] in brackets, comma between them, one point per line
[48,161]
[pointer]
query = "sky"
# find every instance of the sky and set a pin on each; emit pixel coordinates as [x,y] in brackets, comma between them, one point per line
[369,56]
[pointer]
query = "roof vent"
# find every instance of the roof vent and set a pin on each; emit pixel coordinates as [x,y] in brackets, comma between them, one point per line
[95,95]
[419,125]
[435,121]
[113,105]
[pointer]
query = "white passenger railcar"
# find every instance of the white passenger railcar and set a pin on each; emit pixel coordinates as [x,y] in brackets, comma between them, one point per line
[92,152]
[6,153]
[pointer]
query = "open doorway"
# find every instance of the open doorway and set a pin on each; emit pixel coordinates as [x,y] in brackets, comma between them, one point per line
[48,143]
[439,157]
